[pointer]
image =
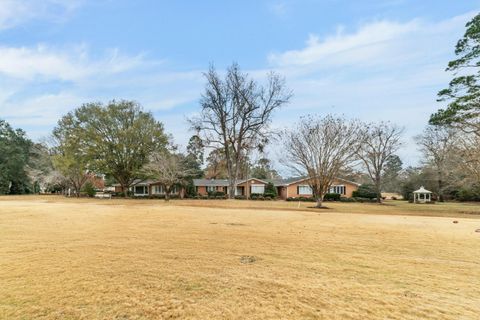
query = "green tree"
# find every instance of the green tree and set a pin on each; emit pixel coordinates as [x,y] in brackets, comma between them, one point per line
[271,190]
[463,93]
[196,150]
[117,139]
[216,165]
[14,157]
[391,174]
[70,156]
[263,170]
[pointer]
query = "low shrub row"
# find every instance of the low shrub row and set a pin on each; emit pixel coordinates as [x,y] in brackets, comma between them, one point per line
[303,199]
[211,197]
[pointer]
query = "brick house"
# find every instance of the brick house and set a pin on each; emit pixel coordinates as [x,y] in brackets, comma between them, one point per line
[286,188]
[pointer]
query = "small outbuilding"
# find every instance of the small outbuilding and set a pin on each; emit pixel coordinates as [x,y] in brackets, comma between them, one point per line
[422,195]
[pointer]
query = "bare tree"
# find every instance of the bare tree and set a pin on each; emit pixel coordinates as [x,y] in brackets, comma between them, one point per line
[381,141]
[469,154]
[438,145]
[320,148]
[236,113]
[168,169]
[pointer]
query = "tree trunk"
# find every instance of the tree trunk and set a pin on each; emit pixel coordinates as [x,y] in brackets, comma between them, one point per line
[231,192]
[319,201]
[124,189]
[440,190]
[167,194]
[378,188]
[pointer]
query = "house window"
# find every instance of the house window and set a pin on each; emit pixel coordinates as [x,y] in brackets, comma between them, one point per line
[239,191]
[140,190]
[158,190]
[305,190]
[338,189]
[211,188]
[258,188]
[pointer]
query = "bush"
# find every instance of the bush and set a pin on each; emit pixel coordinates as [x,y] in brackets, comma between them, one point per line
[270,195]
[365,191]
[331,197]
[240,197]
[303,199]
[469,194]
[271,190]
[362,200]
[89,189]
[157,196]
[342,199]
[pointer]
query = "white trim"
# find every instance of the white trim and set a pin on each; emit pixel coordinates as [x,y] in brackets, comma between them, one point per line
[262,186]
[310,193]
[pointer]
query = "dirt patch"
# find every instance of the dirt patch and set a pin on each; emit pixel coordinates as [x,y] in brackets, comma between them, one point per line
[248,259]
[234,224]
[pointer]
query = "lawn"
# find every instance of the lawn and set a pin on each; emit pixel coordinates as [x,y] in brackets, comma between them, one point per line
[145,259]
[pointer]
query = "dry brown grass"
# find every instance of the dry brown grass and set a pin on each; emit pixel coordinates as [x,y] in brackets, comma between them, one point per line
[139,259]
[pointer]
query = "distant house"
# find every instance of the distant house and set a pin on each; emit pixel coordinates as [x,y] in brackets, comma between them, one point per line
[145,188]
[286,188]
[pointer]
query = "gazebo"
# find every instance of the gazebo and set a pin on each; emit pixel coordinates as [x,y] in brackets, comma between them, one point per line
[422,195]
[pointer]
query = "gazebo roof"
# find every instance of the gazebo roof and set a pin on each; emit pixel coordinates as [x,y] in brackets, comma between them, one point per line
[422,190]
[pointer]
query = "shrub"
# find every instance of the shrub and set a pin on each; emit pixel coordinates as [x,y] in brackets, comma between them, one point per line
[89,189]
[190,189]
[157,196]
[303,199]
[271,190]
[240,197]
[342,199]
[270,195]
[469,194]
[362,200]
[365,191]
[331,197]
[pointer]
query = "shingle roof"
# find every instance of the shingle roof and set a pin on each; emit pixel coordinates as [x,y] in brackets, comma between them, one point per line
[287,181]
[211,182]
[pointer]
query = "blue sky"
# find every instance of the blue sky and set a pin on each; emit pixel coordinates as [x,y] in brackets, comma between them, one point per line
[373,60]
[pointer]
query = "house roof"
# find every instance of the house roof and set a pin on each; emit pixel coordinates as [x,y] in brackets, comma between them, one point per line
[289,181]
[138,182]
[211,182]
[245,180]
[422,190]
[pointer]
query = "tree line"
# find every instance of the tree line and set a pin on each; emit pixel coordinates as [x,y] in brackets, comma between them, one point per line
[125,143]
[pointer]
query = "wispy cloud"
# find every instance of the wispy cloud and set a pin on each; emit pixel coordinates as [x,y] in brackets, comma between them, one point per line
[44,62]
[17,12]
[278,8]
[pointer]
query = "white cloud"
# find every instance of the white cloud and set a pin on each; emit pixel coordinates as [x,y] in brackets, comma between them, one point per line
[17,12]
[376,44]
[63,64]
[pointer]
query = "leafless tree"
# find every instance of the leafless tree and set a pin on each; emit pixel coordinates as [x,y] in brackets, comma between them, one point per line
[320,148]
[236,113]
[55,179]
[380,142]
[469,152]
[438,145]
[168,169]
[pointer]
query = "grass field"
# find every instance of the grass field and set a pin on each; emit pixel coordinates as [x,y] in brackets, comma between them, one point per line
[144,259]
